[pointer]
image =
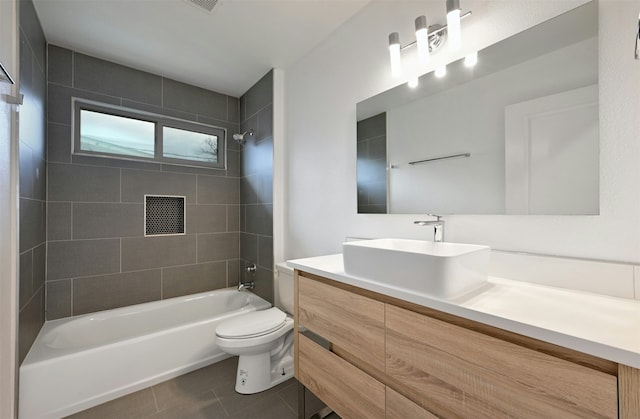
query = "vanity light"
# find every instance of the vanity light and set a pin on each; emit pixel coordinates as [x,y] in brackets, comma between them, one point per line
[413,82]
[428,38]
[394,54]
[422,38]
[453,24]
[471,59]
[441,71]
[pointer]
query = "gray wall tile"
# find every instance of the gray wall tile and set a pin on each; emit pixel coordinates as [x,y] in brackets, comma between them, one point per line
[30,25]
[32,223]
[104,292]
[265,251]
[218,246]
[137,183]
[59,221]
[111,162]
[265,124]
[233,163]
[183,280]
[249,186]
[174,168]
[257,157]
[159,110]
[40,179]
[27,171]
[233,109]
[26,65]
[39,265]
[206,218]
[59,65]
[59,143]
[58,299]
[218,190]
[96,75]
[264,284]
[249,247]
[30,321]
[156,252]
[95,221]
[69,259]
[192,99]
[259,96]
[260,219]
[233,272]
[83,183]
[233,217]
[59,101]
[372,127]
[26,278]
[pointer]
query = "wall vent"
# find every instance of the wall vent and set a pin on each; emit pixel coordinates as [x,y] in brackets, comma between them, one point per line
[163,215]
[207,5]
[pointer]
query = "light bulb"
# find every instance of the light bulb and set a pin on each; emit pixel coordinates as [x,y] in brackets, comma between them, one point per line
[453,24]
[394,54]
[471,59]
[413,82]
[422,39]
[441,71]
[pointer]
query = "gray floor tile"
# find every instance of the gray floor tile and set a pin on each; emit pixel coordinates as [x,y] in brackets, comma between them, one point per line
[289,395]
[206,406]
[269,407]
[132,406]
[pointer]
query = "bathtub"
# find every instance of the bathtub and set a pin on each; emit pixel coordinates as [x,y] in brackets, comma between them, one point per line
[79,362]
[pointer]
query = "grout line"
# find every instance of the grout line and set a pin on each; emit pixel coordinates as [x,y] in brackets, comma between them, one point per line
[155,399]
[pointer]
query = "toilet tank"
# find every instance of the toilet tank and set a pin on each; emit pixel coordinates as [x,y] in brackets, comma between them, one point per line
[284,287]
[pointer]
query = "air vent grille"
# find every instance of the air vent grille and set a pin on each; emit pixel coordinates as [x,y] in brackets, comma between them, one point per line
[207,5]
[163,215]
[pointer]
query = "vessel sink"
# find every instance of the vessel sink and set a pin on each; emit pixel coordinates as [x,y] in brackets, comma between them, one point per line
[438,269]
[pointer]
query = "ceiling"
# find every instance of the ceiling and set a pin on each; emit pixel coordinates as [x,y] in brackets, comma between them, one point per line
[226,50]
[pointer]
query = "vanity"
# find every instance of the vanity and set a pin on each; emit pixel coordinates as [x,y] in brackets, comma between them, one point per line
[511,349]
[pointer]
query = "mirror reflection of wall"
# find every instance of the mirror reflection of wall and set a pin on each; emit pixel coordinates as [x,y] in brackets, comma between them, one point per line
[529,123]
[372,165]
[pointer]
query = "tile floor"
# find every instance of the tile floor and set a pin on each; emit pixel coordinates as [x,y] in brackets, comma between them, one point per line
[205,393]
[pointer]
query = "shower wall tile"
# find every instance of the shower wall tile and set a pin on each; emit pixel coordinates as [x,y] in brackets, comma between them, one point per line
[26,169]
[218,246]
[190,279]
[249,247]
[58,299]
[69,182]
[264,283]
[105,292]
[206,218]
[59,221]
[95,215]
[257,97]
[218,190]
[192,99]
[69,259]
[26,278]
[39,265]
[60,66]
[95,221]
[233,272]
[32,223]
[137,183]
[264,129]
[265,251]
[30,25]
[96,75]
[155,252]
[30,321]
[260,219]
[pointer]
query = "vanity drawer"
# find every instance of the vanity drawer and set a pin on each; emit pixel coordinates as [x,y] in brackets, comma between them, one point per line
[350,392]
[399,407]
[457,372]
[351,322]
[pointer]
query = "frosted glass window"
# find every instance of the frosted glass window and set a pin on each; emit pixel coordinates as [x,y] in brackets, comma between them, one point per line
[189,145]
[111,134]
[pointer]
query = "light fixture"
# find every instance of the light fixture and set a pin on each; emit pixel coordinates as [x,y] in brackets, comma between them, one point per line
[422,38]
[394,54]
[413,82]
[453,24]
[429,38]
[441,71]
[471,59]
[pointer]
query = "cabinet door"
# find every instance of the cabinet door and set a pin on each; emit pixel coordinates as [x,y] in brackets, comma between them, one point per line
[399,407]
[353,323]
[456,372]
[347,390]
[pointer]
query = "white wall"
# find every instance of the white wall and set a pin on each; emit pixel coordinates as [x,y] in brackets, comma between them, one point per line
[321,95]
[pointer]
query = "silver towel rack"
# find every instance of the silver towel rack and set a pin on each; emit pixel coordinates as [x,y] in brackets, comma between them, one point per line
[453,156]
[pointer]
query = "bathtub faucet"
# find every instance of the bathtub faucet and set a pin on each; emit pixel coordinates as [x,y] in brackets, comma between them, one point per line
[251,270]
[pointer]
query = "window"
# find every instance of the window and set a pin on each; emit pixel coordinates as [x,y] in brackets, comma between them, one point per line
[112,131]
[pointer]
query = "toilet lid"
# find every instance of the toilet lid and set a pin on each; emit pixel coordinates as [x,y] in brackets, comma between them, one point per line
[256,323]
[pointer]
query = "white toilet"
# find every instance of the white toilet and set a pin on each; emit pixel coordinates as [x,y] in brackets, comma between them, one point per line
[263,340]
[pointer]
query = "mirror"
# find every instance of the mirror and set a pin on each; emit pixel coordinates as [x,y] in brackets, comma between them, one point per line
[515,134]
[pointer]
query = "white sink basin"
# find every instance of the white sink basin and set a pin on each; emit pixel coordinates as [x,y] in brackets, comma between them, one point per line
[439,269]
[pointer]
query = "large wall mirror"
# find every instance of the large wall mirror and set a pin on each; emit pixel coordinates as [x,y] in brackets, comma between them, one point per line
[517,133]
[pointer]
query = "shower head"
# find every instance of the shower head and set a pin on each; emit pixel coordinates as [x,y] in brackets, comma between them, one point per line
[240,137]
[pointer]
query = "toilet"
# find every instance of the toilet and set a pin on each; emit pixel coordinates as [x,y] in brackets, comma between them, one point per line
[263,340]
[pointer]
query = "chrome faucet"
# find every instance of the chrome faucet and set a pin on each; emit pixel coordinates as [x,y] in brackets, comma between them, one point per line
[438,227]
[248,285]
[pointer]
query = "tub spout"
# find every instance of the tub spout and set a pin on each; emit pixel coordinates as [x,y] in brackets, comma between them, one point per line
[246,286]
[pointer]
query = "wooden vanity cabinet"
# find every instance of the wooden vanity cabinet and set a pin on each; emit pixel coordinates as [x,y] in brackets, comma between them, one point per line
[392,359]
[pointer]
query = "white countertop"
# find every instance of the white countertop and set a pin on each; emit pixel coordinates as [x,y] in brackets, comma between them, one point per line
[603,326]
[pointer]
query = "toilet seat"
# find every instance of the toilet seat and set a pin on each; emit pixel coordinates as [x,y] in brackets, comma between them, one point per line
[251,325]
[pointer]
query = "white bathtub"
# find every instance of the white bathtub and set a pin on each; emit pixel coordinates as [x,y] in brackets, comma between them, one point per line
[80,362]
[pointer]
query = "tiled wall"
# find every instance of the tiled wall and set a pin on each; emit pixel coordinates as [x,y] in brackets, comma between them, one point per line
[32,177]
[256,185]
[98,257]
[372,165]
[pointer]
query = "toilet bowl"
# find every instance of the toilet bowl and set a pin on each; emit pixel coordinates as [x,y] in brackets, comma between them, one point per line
[263,340]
